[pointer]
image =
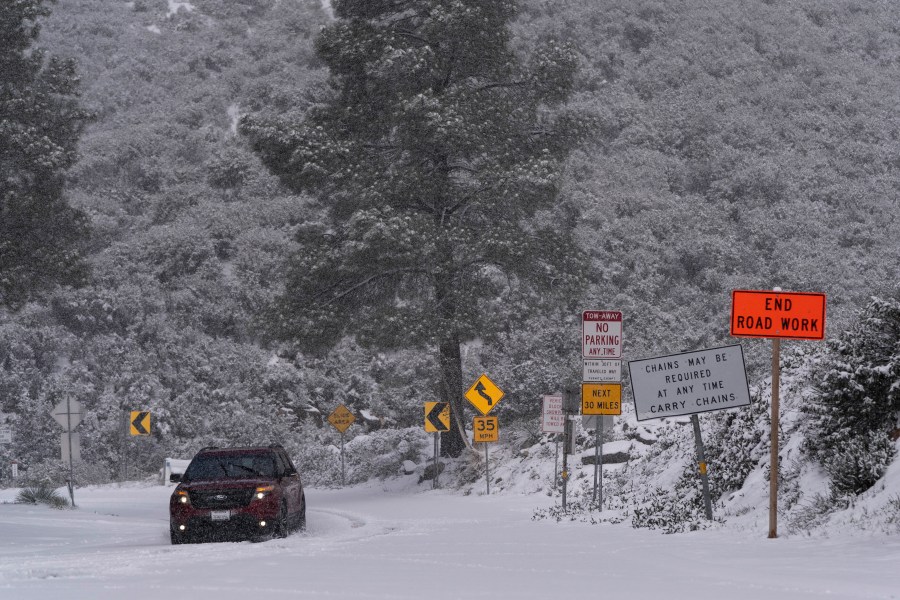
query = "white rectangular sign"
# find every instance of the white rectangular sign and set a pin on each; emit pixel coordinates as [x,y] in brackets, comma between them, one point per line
[552,418]
[75,445]
[5,435]
[601,334]
[599,370]
[689,383]
[591,422]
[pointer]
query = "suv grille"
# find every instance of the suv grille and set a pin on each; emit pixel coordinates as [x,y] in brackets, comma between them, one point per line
[221,498]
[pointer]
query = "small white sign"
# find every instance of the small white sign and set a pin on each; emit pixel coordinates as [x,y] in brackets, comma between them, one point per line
[601,334]
[552,418]
[689,383]
[598,370]
[5,435]
[591,421]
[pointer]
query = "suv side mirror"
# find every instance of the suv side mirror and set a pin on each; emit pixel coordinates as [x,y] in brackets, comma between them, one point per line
[175,477]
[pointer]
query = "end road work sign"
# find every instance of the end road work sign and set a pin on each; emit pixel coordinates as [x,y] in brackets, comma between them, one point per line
[689,383]
[794,315]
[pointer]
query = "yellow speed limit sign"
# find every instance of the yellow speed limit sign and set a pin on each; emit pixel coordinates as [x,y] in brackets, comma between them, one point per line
[486,429]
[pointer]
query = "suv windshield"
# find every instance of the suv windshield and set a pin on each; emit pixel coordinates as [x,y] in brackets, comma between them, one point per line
[230,467]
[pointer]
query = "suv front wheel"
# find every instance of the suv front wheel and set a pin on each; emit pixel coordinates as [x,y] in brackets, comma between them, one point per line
[280,527]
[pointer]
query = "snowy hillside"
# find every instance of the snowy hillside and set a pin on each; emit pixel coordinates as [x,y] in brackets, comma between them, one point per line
[725,146]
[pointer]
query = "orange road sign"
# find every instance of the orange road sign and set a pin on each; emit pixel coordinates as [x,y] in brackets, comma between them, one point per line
[770,314]
[484,394]
[486,429]
[601,398]
[341,418]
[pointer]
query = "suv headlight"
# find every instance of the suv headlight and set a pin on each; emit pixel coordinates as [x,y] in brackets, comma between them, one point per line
[263,491]
[181,496]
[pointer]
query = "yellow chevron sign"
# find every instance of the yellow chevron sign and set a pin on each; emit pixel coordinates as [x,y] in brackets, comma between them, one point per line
[140,422]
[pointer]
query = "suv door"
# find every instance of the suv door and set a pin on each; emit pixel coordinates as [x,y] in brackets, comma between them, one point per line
[290,482]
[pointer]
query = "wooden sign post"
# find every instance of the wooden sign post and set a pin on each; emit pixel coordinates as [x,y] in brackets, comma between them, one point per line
[776,315]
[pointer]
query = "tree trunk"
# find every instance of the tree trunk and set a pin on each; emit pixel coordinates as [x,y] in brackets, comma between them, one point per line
[452,442]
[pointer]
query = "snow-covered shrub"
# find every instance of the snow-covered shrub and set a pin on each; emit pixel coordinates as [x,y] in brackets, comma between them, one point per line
[55,472]
[41,494]
[892,513]
[735,444]
[858,464]
[858,400]
[319,464]
[382,453]
[673,510]
[809,516]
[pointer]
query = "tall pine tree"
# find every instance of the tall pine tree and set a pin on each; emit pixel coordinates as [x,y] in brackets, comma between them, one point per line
[435,157]
[40,123]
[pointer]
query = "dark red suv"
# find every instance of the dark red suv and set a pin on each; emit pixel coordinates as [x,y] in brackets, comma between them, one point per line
[237,493]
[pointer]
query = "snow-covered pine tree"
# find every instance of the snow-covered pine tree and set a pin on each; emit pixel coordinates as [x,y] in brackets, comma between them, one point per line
[433,155]
[858,403]
[40,123]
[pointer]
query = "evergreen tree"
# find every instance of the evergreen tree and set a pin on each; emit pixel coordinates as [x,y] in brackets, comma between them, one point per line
[40,123]
[435,157]
[858,403]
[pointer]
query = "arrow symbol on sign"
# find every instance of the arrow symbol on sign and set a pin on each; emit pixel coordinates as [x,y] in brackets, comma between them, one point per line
[479,387]
[434,416]
[137,423]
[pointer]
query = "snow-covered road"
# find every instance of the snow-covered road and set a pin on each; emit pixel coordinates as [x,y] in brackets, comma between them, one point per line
[369,542]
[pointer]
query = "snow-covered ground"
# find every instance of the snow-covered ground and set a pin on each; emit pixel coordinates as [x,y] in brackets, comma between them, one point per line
[398,540]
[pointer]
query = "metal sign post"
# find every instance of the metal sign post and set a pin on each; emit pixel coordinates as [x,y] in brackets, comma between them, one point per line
[565,464]
[556,463]
[437,419]
[486,430]
[341,418]
[437,438]
[487,471]
[553,421]
[687,384]
[342,459]
[598,465]
[601,388]
[701,458]
[570,406]
[68,414]
[71,481]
